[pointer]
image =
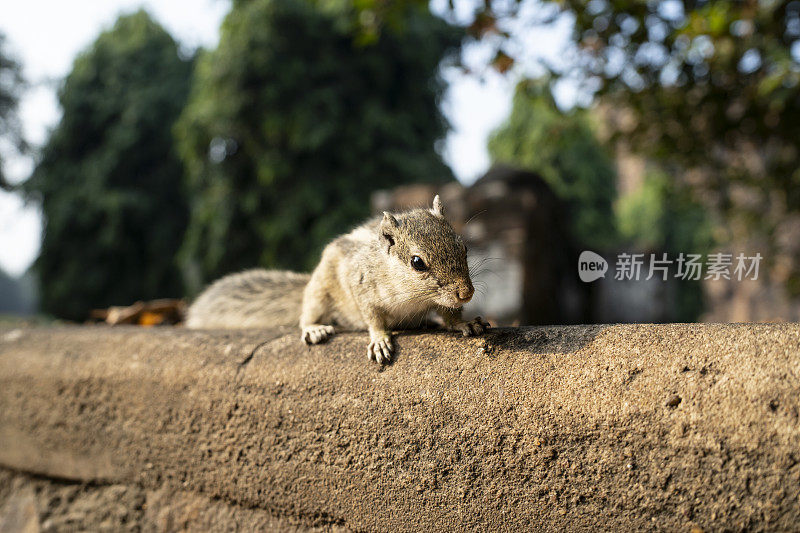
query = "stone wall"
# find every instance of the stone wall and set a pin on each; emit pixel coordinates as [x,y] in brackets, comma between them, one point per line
[638,427]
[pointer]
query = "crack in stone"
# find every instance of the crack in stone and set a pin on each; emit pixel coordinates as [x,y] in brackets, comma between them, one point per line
[244,362]
[56,479]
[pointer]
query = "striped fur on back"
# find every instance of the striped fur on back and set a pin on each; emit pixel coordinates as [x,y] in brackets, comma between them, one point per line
[251,299]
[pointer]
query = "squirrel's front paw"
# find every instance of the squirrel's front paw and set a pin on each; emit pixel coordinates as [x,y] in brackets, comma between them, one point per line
[380,348]
[476,326]
[316,333]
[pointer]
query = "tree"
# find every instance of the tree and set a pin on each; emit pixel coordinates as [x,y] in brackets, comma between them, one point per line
[662,215]
[657,216]
[563,149]
[294,120]
[710,88]
[11,85]
[713,89]
[109,182]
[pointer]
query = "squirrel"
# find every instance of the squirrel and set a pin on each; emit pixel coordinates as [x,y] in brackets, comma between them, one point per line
[390,272]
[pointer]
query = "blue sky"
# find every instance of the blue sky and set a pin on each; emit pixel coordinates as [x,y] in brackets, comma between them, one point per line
[46,35]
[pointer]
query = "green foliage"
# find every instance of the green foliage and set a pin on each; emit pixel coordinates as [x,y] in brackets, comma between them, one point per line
[710,87]
[11,85]
[293,121]
[108,179]
[563,149]
[701,79]
[637,212]
[661,215]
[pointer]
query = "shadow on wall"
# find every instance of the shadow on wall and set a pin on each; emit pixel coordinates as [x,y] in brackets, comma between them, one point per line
[536,340]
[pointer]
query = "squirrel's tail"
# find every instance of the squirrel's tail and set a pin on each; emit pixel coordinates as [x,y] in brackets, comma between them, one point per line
[251,299]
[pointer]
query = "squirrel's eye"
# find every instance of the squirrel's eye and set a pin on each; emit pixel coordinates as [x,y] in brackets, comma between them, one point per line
[418,264]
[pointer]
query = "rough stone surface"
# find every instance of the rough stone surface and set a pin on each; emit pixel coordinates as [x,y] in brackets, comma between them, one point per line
[638,427]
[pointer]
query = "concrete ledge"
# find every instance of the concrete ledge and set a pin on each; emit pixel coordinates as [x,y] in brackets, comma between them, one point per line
[586,427]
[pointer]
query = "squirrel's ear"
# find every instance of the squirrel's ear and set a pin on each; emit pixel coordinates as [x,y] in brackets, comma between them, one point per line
[388,225]
[437,210]
[389,221]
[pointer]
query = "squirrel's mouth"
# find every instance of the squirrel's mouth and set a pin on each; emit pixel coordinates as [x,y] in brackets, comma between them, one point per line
[452,301]
[462,301]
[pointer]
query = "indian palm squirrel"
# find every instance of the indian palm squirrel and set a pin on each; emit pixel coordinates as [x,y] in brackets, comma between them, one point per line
[389,273]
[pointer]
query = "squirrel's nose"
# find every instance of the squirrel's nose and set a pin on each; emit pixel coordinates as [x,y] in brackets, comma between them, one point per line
[465,292]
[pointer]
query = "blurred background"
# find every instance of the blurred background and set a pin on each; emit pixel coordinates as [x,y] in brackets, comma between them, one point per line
[148,148]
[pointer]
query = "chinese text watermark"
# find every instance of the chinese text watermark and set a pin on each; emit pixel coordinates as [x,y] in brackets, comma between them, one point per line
[633,267]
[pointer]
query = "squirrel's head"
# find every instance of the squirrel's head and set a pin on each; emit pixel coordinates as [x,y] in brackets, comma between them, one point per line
[431,257]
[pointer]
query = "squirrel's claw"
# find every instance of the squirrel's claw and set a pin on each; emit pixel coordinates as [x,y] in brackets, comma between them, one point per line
[316,333]
[380,350]
[476,326]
